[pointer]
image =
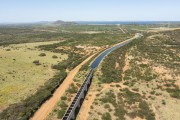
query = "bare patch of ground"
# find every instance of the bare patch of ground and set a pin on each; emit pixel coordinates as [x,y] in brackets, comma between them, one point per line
[161,29]
[116,65]
[83,114]
[90,32]
[122,30]
[53,31]
[89,49]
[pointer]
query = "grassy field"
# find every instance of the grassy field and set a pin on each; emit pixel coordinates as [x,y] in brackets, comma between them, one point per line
[19,76]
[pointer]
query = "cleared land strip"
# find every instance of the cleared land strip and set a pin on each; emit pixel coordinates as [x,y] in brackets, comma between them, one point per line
[122,30]
[47,107]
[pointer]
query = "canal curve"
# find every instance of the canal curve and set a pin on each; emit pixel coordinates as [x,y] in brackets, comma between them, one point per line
[106,52]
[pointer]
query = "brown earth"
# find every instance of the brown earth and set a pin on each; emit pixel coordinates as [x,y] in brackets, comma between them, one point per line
[83,114]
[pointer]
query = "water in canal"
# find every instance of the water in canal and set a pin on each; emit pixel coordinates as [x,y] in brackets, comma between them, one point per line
[100,57]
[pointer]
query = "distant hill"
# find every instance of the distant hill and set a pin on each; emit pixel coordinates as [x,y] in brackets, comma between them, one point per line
[60,22]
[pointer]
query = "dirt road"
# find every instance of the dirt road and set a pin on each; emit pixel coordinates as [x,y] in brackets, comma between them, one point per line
[47,107]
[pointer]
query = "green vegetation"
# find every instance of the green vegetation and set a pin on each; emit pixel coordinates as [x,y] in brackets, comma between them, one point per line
[143,110]
[54,56]
[75,34]
[72,61]
[154,49]
[106,116]
[42,54]
[19,76]
[174,92]
[111,71]
[124,101]
[36,62]
[61,113]
[72,89]
[63,98]
[25,34]
[119,106]
[27,107]
[149,70]
[62,105]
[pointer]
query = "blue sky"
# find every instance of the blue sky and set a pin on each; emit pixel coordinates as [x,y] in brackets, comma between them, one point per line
[89,10]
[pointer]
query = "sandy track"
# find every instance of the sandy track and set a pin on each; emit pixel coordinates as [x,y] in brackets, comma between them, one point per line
[48,106]
[91,96]
[83,114]
[122,30]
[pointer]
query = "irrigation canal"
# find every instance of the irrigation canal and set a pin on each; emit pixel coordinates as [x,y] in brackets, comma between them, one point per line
[75,106]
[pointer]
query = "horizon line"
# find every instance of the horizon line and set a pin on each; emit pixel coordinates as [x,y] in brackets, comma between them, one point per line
[41,21]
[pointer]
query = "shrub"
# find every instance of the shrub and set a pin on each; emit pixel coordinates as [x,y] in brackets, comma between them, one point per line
[42,54]
[72,89]
[54,56]
[145,111]
[109,109]
[36,62]
[63,104]
[152,92]
[126,83]
[61,113]
[63,98]
[135,89]
[163,102]
[106,106]
[106,116]
[174,92]
[8,49]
